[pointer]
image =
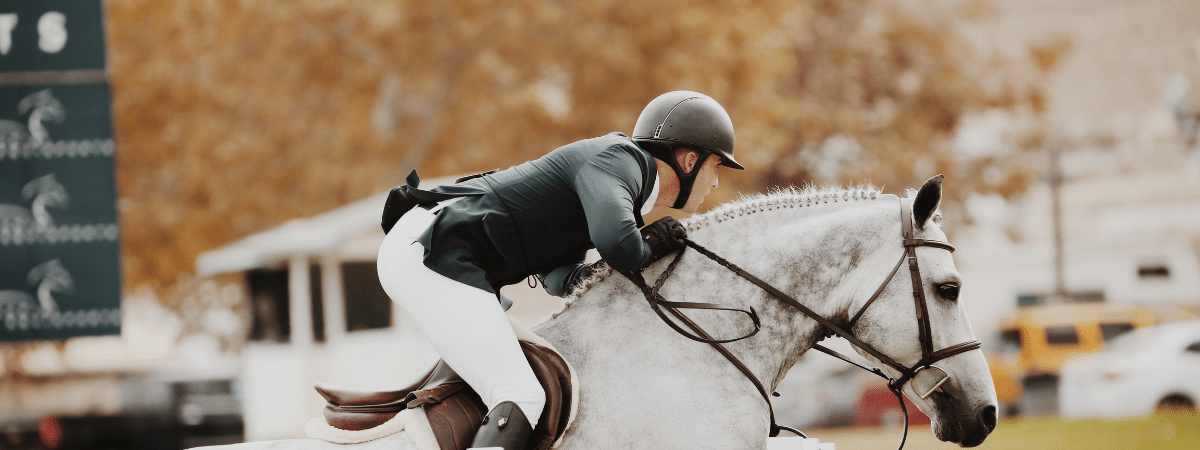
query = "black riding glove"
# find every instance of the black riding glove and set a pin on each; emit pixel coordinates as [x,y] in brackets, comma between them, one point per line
[664,236]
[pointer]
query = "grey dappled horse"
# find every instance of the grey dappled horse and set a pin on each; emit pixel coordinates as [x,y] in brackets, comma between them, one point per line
[642,385]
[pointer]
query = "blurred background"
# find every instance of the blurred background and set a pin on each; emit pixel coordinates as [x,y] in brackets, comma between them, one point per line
[244,151]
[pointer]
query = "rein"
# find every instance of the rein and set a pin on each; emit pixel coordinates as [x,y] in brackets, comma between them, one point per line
[928,355]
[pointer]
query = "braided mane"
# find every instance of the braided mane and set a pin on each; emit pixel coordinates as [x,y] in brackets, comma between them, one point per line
[789,197]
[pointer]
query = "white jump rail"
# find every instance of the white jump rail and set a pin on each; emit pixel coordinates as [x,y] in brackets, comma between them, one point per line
[798,443]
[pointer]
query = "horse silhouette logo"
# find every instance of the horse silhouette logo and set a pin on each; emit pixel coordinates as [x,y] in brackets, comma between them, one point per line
[48,277]
[20,224]
[41,106]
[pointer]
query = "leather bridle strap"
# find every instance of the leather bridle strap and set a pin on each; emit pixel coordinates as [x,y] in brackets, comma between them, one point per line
[854,320]
[656,301]
[796,304]
[928,355]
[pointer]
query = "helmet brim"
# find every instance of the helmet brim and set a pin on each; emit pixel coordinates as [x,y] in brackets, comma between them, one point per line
[728,161]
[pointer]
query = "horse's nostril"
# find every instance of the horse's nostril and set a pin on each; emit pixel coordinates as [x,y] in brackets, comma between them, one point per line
[988,416]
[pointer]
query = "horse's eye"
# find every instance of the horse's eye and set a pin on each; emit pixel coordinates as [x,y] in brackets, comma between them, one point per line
[948,291]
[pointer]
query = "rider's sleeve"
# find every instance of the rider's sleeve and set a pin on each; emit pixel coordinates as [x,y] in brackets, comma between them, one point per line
[562,280]
[607,186]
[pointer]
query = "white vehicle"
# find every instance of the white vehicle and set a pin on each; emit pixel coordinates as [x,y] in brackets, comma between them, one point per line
[1143,371]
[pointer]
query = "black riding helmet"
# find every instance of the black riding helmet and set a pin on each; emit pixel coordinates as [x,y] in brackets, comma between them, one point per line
[685,119]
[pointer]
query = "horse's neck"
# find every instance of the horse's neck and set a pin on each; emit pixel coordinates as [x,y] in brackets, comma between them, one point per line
[623,351]
[823,261]
[38,131]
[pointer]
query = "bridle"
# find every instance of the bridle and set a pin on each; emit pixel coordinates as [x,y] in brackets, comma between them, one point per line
[926,377]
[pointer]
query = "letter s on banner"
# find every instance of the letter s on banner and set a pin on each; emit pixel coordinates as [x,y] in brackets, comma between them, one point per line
[52,32]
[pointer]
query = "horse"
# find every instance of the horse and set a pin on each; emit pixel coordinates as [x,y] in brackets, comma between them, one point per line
[643,385]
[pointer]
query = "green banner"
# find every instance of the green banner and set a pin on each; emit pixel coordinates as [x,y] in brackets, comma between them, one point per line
[59,238]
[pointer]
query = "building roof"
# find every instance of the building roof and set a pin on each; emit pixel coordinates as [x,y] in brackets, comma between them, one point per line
[314,235]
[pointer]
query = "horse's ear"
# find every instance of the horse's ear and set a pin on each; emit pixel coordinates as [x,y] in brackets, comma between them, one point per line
[927,201]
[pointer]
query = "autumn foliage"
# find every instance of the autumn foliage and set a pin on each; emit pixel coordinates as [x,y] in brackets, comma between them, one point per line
[233,116]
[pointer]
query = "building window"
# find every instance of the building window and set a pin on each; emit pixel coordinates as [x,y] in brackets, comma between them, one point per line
[270,304]
[1154,272]
[1086,297]
[318,308]
[1024,300]
[367,305]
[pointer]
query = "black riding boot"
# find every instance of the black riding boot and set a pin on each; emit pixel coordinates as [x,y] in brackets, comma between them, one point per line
[505,426]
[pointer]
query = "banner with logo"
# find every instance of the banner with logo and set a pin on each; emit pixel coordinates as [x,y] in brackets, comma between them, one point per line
[59,239]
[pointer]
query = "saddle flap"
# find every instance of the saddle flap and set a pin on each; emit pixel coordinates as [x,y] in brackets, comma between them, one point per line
[555,377]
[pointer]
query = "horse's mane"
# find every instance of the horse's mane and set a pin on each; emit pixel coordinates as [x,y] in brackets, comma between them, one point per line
[786,197]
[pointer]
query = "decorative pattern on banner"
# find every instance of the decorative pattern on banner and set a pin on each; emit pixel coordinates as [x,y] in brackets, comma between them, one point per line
[59,236]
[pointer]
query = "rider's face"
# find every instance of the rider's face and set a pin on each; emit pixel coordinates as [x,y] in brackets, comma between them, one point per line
[706,180]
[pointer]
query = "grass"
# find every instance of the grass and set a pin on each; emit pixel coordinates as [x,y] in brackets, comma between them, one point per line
[1159,432]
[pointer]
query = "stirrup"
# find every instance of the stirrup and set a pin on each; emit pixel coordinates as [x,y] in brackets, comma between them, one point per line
[505,427]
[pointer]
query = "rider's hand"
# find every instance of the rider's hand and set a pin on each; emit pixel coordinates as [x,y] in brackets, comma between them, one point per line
[664,236]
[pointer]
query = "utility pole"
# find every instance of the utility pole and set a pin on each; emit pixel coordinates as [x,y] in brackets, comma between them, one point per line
[1056,180]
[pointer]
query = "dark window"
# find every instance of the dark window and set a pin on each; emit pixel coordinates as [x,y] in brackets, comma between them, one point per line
[1086,297]
[269,305]
[1029,300]
[367,305]
[1154,271]
[1064,334]
[1194,348]
[1010,341]
[1112,330]
[318,308]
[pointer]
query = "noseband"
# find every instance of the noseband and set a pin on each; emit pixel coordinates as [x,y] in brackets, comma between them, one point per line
[915,372]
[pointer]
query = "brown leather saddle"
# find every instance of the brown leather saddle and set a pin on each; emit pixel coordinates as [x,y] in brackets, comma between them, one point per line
[454,410]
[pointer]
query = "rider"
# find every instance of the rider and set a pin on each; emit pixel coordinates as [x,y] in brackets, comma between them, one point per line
[445,268]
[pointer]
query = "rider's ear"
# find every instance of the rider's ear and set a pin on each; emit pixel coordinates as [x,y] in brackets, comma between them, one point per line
[687,158]
[927,201]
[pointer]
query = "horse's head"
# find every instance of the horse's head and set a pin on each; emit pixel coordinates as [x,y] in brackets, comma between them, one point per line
[963,407]
[45,192]
[43,104]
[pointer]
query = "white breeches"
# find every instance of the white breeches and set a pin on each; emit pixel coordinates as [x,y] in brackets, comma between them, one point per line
[465,324]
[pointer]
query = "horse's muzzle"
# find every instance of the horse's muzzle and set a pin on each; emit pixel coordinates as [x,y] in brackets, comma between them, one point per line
[965,428]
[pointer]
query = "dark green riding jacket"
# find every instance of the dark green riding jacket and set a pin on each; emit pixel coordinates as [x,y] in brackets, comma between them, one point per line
[542,216]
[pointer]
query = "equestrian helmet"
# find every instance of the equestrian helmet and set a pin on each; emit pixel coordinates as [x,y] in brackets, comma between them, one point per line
[689,119]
